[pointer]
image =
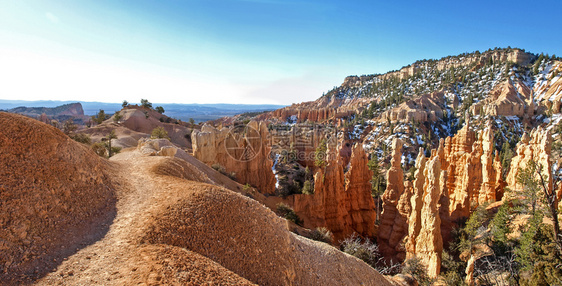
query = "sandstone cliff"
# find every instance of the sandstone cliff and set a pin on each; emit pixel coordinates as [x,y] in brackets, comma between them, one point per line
[532,147]
[427,107]
[429,242]
[393,223]
[473,175]
[324,109]
[429,222]
[511,98]
[243,150]
[342,203]
[359,202]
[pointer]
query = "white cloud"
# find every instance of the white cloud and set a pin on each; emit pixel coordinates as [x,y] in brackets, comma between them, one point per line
[52,18]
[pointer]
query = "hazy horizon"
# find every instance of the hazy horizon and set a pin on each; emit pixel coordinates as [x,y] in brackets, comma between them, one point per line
[242,51]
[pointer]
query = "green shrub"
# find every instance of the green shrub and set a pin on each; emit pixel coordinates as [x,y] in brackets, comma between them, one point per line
[99,148]
[219,168]
[308,188]
[415,267]
[288,213]
[159,133]
[146,104]
[115,150]
[364,250]
[82,138]
[117,116]
[321,234]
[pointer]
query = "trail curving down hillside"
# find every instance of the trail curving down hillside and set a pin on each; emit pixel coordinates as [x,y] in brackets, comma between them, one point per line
[69,217]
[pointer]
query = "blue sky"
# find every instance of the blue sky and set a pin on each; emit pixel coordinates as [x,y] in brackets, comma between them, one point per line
[243,51]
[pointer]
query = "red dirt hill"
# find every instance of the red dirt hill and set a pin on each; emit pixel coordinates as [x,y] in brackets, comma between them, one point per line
[52,189]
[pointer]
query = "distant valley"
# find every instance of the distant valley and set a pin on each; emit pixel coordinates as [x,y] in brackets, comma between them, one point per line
[199,112]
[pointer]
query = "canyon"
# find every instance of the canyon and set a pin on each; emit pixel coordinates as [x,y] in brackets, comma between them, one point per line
[402,160]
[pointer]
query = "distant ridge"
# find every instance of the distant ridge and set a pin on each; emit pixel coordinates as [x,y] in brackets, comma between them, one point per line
[199,112]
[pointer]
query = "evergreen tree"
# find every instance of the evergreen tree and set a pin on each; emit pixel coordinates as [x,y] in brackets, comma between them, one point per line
[320,154]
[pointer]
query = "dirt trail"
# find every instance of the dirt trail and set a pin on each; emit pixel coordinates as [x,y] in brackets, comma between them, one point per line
[172,231]
[120,258]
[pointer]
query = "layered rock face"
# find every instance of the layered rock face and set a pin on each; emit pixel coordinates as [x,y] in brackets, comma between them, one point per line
[429,243]
[416,202]
[427,107]
[511,98]
[550,88]
[394,226]
[534,147]
[243,150]
[324,109]
[342,203]
[462,173]
[515,55]
[473,176]
[429,220]
[358,200]
[302,140]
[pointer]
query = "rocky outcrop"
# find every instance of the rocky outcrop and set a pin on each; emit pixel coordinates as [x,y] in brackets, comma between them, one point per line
[342,203]
[144,120]
[393,223]
[160,147]
[301,140]
[358,200]
[428,244]
[492,184]
[416,203]
[243,150]
[534,147]
[474,177]
[548,88]
[326,108]
[511,98]
[250,240]
[427,107]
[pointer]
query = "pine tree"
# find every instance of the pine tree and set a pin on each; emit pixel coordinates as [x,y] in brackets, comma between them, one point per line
[320,154]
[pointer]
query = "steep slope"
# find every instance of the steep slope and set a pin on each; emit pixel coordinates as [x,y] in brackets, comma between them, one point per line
[56,196]
[70,217]
[170,230]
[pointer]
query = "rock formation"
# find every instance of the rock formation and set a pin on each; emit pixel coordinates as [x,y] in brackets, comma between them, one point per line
[416,202]
[341,203]
[534,147]
[427,107]
[393,223]
[326,108]
[429,242]
[144,120]
[243,150]
[511,98]
[302,139]
[491,169]
[359,202]
[473,175]
[71,109]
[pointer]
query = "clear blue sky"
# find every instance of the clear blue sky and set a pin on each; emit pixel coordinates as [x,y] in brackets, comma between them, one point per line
[243,51]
